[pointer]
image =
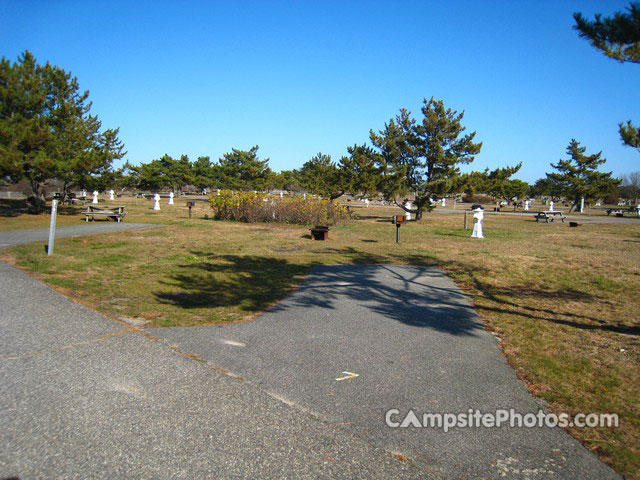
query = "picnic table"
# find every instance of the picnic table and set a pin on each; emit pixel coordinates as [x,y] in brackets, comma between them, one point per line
[117,213]
[549,216]
[68,198]
[619,212]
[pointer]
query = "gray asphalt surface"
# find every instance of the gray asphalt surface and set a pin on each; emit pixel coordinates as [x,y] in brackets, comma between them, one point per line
[83,396]
[416,344]
[17,237]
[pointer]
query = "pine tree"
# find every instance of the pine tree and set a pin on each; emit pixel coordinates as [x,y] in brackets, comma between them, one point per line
[322,177]
[578,177]
[630,135]
[422,158]
[45,127]
[617,38]
[243,170]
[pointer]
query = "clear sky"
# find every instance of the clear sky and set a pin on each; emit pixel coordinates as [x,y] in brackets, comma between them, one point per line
[300,77]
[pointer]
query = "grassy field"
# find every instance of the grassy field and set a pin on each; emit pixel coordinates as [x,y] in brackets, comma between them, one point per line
[563,301]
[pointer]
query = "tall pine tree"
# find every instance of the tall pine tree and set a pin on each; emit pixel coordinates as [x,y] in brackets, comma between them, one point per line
[578,177]
[46,130]
[422,158]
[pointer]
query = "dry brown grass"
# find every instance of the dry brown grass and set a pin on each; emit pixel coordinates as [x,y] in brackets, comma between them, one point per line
[563,301]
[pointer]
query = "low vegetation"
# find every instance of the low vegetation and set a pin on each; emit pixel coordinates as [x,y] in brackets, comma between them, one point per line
[563,301]
[257,207]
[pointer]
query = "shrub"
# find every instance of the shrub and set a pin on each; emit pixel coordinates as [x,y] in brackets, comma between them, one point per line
[477,198]
[257,207]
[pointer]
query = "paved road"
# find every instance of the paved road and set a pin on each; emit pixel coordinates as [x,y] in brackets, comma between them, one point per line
[416,344]
[16,237]
[82,396]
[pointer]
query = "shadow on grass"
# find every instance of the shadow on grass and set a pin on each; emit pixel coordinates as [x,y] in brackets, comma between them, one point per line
[507,301]
[250,282]
[416,294]
[14,208]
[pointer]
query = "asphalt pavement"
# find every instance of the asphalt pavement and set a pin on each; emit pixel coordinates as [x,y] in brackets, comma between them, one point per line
[415,343]
[301,392]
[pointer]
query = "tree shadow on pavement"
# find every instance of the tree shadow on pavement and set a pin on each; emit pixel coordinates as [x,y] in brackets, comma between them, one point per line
[416,294]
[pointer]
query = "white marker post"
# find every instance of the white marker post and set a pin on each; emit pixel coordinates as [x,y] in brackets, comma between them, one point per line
[478,217]
[408,215]
[111,192]
[444,202]
[551,206]
[95,197]
[170,198]
[52,226]
[156,205]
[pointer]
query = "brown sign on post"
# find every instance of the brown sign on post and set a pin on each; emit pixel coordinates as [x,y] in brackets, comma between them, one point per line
[398,220]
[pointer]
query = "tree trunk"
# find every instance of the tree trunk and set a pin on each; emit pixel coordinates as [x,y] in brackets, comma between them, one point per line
[575,204]
[36,200]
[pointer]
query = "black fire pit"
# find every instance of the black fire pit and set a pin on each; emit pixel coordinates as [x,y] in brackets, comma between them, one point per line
[320,232]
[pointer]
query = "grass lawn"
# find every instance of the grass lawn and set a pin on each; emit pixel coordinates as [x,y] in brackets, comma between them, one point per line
[564,301]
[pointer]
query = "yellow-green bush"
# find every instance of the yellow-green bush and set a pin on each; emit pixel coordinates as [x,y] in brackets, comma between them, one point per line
[257,207]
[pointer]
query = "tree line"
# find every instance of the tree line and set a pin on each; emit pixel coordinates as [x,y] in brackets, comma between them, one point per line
[48,132]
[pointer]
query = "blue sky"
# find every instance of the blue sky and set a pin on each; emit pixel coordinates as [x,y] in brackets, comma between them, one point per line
[296,78]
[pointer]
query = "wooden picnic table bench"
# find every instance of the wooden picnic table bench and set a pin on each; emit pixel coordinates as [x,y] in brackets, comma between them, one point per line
[117,213]
[549,216]
[619,212]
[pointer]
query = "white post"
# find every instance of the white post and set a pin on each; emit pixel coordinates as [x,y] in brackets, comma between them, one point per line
[170,198]
[111,192]
[582,205]
[478,217]
[218,191]
[304,196]
[156,205]
[551,206]
[444,202]
[95,196]
[52,226]
[526,205]
[280,193]
[408,205]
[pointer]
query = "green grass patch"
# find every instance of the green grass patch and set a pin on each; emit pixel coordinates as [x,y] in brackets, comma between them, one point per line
[561,299]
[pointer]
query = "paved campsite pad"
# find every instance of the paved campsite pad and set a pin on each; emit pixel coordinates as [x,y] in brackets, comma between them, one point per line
[82,396]
[414,341]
